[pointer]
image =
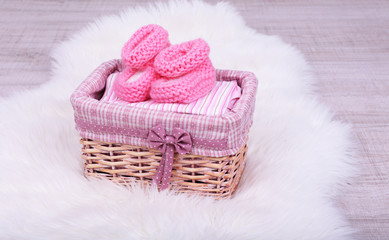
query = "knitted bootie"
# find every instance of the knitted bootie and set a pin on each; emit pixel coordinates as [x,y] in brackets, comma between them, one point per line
[144,45]
[133,85]
[186,73]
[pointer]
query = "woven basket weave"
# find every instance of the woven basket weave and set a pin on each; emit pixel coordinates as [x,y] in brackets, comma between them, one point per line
[121,163]
[117,145]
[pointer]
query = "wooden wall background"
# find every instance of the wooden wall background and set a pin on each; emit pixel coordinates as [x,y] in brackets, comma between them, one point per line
[345,41]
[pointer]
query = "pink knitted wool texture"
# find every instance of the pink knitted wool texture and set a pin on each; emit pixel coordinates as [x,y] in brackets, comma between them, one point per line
[144,45]
[186,73]
[132,85]
[134,82]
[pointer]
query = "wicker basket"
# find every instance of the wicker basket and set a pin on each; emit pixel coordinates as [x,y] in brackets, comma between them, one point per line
[117,145]
[215,176]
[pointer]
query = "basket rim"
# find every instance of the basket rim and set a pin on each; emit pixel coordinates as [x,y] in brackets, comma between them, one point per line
[82,96]
[231,127]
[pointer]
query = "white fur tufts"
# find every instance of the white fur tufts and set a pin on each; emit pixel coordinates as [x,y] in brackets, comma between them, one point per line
[298,155]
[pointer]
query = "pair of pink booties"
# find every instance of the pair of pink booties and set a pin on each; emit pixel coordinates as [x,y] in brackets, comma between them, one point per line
[155,69]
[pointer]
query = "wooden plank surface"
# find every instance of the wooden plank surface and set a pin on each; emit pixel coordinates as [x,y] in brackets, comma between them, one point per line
[346,42]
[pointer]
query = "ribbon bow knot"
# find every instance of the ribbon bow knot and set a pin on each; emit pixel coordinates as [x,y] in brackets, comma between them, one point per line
[179,141]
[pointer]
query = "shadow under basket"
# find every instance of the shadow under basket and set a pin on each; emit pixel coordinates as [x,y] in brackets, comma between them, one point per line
[124,164]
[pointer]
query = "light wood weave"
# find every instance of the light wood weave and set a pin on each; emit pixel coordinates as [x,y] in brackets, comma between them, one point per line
[212,176]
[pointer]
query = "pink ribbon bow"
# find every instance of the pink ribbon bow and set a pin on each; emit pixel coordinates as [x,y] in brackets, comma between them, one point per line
[179,141]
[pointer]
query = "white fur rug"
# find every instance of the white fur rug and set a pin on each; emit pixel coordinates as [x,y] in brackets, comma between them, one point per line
[298,155]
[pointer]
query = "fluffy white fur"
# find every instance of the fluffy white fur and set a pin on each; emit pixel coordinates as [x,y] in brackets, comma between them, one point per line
[298,155]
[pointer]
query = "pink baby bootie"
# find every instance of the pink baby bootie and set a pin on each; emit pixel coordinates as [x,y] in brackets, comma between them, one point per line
[134,82]
[133,85]
[144,45]
[186,73]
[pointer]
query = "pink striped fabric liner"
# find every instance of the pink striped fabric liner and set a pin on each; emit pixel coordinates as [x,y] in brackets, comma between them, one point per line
[122,123]
[221,99]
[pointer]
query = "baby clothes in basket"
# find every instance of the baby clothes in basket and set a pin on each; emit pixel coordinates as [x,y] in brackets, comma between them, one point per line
[217,102]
